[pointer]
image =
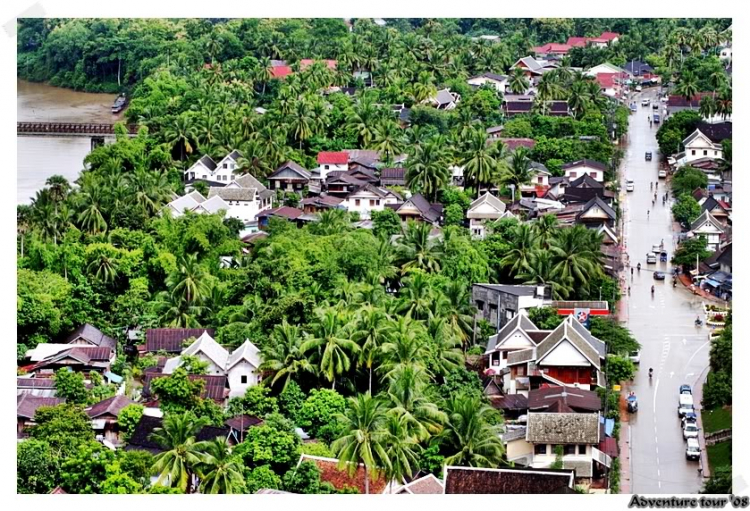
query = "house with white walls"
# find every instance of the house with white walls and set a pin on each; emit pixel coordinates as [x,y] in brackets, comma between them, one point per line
[578,168]
[499,82]
[697,145]
[368,198]
[486,208]
[205,169]
[241,367]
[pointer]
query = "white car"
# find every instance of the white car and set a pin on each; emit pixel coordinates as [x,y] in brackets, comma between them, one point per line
[629,185]
[662,173]
[693,450]
[646,102]
[635,356]
[690,430]
[638,88]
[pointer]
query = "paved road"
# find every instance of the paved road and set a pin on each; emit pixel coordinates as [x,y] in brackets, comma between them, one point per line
[662,323]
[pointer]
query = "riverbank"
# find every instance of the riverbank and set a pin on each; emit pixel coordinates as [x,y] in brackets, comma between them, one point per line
[45,103]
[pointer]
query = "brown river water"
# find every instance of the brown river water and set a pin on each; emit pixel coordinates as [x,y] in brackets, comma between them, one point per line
[40,157]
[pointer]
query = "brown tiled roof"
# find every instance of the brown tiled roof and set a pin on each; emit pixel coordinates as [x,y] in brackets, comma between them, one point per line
[538,335]
[26,404]
[92,335]
[141,437]
[577,399]
[585,163]
[170,339]
[215,386]
[392,176]
[282,212]
[109,406]
[511,402]
[243,422]
[340,478]
[36,383]
[468,480]
[426,485]
[563,428]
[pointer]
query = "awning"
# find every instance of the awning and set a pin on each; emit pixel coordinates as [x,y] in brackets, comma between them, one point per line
[112,377]
[711,283]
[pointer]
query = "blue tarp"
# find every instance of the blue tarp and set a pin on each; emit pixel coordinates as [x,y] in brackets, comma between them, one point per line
[112,377]
[609,425]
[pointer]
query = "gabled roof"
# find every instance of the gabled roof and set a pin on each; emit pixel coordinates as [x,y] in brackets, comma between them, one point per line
[726,255]
[566,331]
[530,63]
[340,478]
[248,181]
[366,157]
[609,36]
[393,176]
[189,202]
[27,405]
[511,402]
[511,289]
[233,194]
[243,422]
[577,41]
[552,48]
[170,339]
[207,162]
[681,101]
[109,406]
[298,169]
[85,355]
[562,428]
[141,438]
[425,485]
[209,347]
[234,155]
[706,217]
[491,76]
[282,212]
[444,97]
[514,143]
[490,200]
[585,181]
[325,201]
[471,480]
[248,352]
[369,188]
[695,135]
[597,201]
[214,386]
[520,321]
[593,164]
[92,335]
[333,158]
[636,67]
[711,204]
[427,210]
[577,399]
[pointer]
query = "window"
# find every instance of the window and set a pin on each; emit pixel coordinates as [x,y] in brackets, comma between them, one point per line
[225,166]
[480,305]
[521,370]
[540,180]
[574,174]
[377,202]
[716,153]
[692,152]
[582,449]
[540,449]
[569,449]
[705,153]
[509,314]
[505,355]
[356,202]
[326,167]
[243,379]
[372,202]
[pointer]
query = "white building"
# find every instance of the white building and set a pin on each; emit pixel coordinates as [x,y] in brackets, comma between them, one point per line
[444,99]
[697,146]
[205,169]
[708,227]
[196,203]
[368,198]
[485,208]
[500,82]
[241,367]
[578,168]
[331,161]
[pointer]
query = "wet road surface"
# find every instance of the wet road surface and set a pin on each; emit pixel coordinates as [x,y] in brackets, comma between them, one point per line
[663,324]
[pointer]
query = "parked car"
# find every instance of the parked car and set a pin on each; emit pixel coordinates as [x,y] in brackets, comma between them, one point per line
[658,275]
[690,430]
[685,405]
[685,389]
[635,356]
[638,88]
[662,173]
[693,449]
[689,417]
[646,102]
[651,258]
[648,156]
[629,185]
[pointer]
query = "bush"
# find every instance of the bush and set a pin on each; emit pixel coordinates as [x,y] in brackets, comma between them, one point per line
[262,477]
[317,415]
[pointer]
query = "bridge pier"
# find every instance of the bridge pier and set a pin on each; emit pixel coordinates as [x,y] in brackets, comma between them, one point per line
[96,142]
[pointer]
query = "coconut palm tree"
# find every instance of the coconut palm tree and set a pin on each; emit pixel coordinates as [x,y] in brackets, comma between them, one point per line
[364,438]
[445,348]
[707,107]
[724,102]
[469,434]
[182,133]
[427,167]
[182,454]
[687,86]
[59,187]
[91,200]
[526,243]
[517,173]
[546,228]
[579,98]
[477,159]
[174,311]
[415,249]
[405,346]
[420,417]
[388,139]
[104,268]
[301,121]
[541,271]
[220,472]
[576,256]
[370,332]
[330,340]
[517,81]
[283,357]
[402,449]
[457,309]
[416,296]
[188,281]
[24,215]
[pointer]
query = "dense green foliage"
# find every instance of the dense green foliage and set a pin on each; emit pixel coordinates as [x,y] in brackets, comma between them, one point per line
[718,388]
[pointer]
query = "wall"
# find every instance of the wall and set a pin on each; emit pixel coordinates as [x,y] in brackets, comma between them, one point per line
[236,387]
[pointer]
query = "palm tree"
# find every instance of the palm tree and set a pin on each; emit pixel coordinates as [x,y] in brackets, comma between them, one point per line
[517,172]
[525,245]
[427,167]
[330,339]
[416,296]
[188,281]
[724,102]
[332,221]
[517,82]
[181,132]
[182,454]
[402,450]
[58,189]
[91,200]
[388,139]
[283,356]
[175,312]
[415,249]
[578,98]
[541,271]
[458,310]
[104,268]
[469,434]
[576,256]
[370,332]
[220,472]
[420,417]
[301,122]
[364,438]
[707,107]
[687,86]
[445,348]
[24,215]
[477,160]
[546,227]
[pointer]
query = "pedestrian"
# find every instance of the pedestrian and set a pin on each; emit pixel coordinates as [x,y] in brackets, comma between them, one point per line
[647,214]
[628,290]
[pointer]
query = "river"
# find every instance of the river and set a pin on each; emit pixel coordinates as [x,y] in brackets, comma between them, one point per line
[42,157]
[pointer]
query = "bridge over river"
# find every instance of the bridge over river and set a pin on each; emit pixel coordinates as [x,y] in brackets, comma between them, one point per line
[68,129]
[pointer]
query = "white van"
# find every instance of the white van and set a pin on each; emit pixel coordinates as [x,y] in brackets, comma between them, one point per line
[693,450]
[629,185]
[685,404]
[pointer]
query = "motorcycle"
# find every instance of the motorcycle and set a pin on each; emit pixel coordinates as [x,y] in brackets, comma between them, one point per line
[698,322]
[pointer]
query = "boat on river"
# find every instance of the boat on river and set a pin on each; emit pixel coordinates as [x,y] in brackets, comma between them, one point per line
[120,103]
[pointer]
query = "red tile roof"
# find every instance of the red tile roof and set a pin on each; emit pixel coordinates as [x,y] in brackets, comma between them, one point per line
[609,447]
[337,158]
[515,143]
[280,71]
[330,64]
[609,36]
[109,406]
[284,212]
[577,41]
[552,48]
[340,478]
[606,80]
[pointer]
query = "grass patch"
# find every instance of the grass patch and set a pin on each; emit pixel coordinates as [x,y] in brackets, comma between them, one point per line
[716,419]
[719,455]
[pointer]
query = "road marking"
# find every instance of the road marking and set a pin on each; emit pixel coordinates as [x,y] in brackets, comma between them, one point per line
[689,374]
[696,352]
[671,374]
[659,484]
[656,389]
